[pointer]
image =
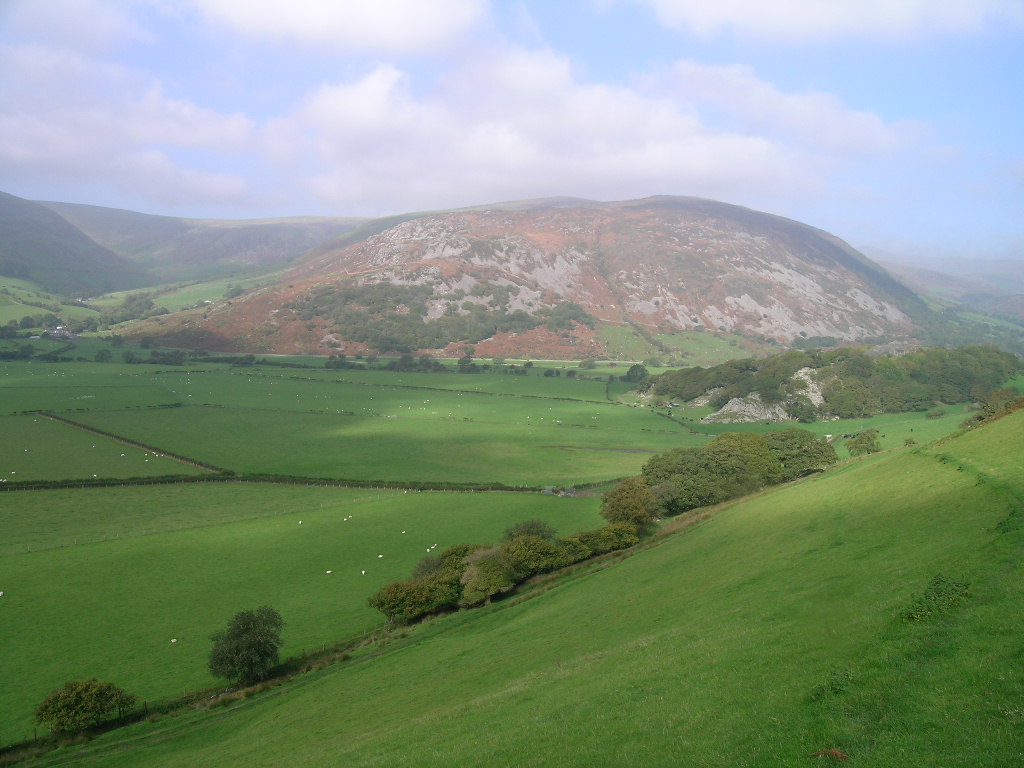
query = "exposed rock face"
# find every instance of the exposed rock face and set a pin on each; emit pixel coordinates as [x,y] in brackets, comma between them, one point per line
[744,410]
[664,264]
[812,389]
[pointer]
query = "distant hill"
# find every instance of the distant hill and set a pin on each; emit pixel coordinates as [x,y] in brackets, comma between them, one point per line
[176,249]
[560,277]
[543,279]
[996,288]
[38,245]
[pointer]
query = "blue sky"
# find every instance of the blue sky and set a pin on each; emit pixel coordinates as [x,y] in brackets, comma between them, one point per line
[897,124]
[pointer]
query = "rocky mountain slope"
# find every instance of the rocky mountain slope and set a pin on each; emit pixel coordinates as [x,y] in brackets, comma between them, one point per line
[544,279]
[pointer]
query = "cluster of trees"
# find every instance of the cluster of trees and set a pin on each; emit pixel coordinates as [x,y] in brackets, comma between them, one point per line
[468,575]
[367,314]
[733,464]
[853,382]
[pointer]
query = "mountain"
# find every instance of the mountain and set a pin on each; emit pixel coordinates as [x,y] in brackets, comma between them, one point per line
[549,279]
[175,249]
[995,288]
[38,245]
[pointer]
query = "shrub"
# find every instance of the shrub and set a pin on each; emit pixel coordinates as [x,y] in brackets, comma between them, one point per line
[530,555]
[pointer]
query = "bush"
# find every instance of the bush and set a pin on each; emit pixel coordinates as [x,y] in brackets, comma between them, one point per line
[530,555]
[81,703]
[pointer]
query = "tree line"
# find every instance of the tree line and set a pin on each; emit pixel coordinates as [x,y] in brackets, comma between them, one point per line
[853,382]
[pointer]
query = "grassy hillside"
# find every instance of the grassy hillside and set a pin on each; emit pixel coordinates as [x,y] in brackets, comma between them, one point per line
[770,634]
[38,245]
[137,567]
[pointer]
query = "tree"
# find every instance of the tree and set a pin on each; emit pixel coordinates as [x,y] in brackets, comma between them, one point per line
[249,648]
[401,601]
[81,703]
[800,451]
[103,355]
[636,373]
[864,443]
[758,455]
[631,501]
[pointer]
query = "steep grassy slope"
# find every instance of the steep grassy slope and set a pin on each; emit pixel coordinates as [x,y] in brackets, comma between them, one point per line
[763,636]
[178,249]
[38,245]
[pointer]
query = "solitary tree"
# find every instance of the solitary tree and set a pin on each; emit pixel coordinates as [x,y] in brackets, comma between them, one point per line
[81,703]
[249,648]
[864,443]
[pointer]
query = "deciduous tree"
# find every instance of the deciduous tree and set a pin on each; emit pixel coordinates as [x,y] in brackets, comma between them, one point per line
[249,648]
[81,703]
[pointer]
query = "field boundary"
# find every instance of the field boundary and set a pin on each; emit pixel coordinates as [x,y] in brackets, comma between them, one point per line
[134,443]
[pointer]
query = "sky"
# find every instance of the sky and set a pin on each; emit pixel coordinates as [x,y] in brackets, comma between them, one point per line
[894,124]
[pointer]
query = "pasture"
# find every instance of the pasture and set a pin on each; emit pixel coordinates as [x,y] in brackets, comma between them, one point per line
[766,635]
[36,448]
[98,581]
[355,427]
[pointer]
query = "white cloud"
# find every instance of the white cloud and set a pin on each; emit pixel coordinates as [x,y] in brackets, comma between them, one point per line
[518,124]
[814,20]
[351,26]
[817,119]
[67,116]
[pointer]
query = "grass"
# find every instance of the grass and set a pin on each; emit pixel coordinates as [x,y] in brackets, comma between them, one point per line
[763,636]
[36,448]
[135,567]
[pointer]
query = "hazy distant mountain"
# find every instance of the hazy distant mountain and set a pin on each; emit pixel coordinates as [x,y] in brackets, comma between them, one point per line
[186,249]
[542,279]
[993,287]
[38,245]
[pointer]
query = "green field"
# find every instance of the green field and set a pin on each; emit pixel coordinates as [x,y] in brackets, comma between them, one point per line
[763,636]
[354,425]
[135,567]
[720,635]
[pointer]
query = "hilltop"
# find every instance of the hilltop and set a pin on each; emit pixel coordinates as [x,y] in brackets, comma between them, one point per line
[550,278]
